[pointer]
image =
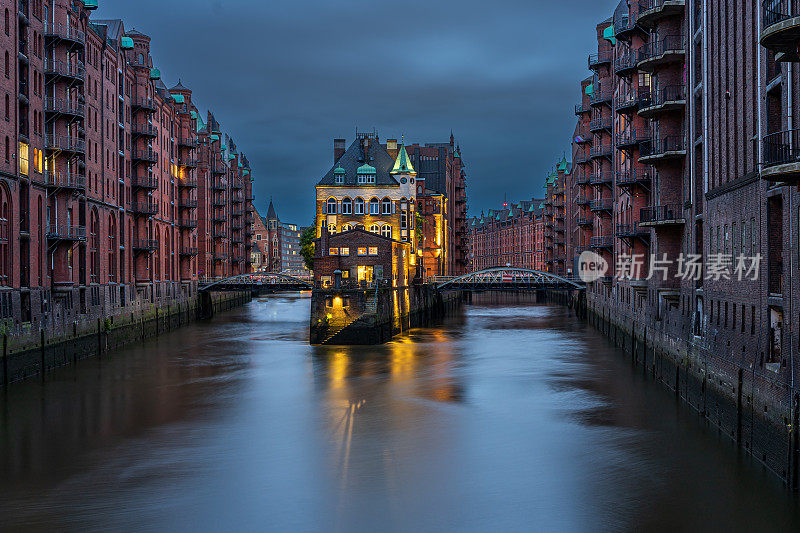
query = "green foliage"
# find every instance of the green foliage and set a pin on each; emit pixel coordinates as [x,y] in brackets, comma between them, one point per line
[307,245]
[107,324]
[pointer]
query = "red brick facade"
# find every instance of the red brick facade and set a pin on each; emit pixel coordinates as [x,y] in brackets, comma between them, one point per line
[514,235]
[106,187]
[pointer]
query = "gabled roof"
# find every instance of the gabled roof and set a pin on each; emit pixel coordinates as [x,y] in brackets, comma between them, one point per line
[179,86]
[354,158]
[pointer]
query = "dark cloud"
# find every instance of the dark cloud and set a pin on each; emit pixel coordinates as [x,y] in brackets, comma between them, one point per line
[284,78]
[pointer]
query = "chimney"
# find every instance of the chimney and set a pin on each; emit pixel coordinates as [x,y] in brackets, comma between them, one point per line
[391,147]
[338,149]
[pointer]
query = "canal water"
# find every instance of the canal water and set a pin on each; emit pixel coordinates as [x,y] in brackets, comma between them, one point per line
[508,417]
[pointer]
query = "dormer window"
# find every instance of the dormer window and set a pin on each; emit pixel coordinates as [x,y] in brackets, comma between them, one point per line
[338,175]
[366,174]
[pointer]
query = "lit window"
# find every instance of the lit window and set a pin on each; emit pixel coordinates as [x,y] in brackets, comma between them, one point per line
[373,250]
[344,251]
[333,251]
[386,231]
[362,251]
[375,228]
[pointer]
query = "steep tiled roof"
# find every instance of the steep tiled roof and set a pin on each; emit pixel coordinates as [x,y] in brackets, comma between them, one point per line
[353,158]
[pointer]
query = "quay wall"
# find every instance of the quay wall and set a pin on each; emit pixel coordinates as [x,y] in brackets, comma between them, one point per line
[374,316]
[30,353]
[750,406]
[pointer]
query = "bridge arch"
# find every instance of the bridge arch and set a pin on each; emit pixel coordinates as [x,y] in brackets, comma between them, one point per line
[256,280]
[513,277]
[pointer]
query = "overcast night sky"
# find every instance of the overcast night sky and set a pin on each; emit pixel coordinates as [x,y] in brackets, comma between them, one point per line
[285,78]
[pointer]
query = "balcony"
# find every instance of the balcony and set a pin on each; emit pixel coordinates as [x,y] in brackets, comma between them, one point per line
[145,245]
[219,234]
[64,180]
[59,69]
[219,217]
[187,203]
[582,178]
[601,242]
[582,157]
[57,232]
[54,32]
[781,155]
[220,257]
[627,231]
[219,185]
[187,142]
[625,65]
[144,182]
[61,107]
[599,59]
[781,27]
[600,150]
[661,100]
[187,162]
[144,208]
[602,178]
[219,202]
[581,108]
[661,215]
[626,102]
[651,11]
[603,204]
[188,251]
[237,211]
[237,184]
[585,221]
[582,136]
[624,26]
[632,138]
[218,168]
[582,200]
[629,178]
[188,183]
[145,130]
[670,49]
[65,143]
[144,156]
[601,96]
[600,124]
[187,223]
[670,147]
[142,103]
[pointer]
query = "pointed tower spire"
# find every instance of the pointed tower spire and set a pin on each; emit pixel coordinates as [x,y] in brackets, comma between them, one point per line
[271,215]
[402,165]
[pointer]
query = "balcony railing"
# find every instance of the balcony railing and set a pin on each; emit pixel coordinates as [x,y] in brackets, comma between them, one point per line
[603,241]
[633,137]
[64,143]
[669,146]
[66,232]
[582,200]
[187,162]
[625,101]
[148,155]
[652,10]
[143,103]
[632,177]
[669,213]
[186,250]
[74,69]
[64,180]
[601,58]
[582,157]
[631,230]
[188,223]
[601,96]
[147,130]
[668,49]
[600,178]
[63,107]
[187,182]
[145,244]
[144,208]
[219,185]
[781,156]
[144,182]
[601,205]
[626,63]
[62,31]
[582,178]
[600,124]
[661,99]
[219,234]
[600,150]
[187,203]
[237,184]
[585,221]
[581,108]
[188,142]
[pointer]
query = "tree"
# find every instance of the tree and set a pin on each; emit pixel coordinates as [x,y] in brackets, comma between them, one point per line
[307,246]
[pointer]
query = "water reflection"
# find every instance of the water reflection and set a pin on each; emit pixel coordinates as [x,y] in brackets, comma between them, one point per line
[509,417]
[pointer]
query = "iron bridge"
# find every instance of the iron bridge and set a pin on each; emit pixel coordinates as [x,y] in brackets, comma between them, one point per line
[257,281]
[507,279]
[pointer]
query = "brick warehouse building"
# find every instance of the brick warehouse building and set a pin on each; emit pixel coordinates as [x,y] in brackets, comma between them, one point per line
[276,245]
[108,198]
[687,142]
[513,235]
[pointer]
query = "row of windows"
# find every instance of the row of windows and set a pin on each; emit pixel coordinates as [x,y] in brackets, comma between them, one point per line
[362,250]
[357,206]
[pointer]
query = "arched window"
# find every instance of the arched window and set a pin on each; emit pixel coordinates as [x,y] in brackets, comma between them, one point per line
[331,206]
[141,59]
[167,268]
[375,229]
[347,227]
[112,254]
[386,231]
[359,207]
[5,245]
[93,242]
[347,206]
[374,207]
[386,206]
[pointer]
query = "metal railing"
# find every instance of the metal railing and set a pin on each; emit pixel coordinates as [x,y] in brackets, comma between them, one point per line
[188,223]
[145,244]
[776,11]
[624,100]
[64,143]
[633,136]
[187,203]
[663,146]
[600,123]
[66,180]
[605,176]
[187,162]
[600,96]
[148,155]
[626,62]
[600,58]
[602,204]
[144,129]
[650,5]
[188,250]
[187,182]
[74,69]
[62,31]
[583,200]
[61,105]
[144,208]
[629,177]
[585,221]
[602,150]
[145,182]
[660,213]
[661,96]
[653,49]
[781,148]
[66,232]
[144,103]
[630,230]
[581,108]
[602,241]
